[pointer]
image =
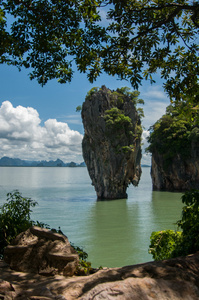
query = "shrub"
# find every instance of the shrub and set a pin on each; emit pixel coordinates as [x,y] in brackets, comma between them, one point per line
[169,243]
[163,243]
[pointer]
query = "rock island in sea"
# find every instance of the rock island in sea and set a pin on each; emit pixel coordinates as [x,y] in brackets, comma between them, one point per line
[174,145]
[112,140]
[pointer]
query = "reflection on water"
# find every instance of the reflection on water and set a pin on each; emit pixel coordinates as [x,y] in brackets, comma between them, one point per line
[119,231]
[114,233]
[110,233]
[166,205]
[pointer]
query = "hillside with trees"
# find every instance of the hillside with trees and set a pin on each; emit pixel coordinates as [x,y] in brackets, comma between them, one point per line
[174,144]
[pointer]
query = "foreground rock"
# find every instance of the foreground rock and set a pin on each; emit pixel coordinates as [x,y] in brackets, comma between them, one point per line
[179,175]
[42,251]
[174,279]
[112,142]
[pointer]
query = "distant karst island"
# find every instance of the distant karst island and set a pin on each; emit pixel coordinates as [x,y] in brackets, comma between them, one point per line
[17,162]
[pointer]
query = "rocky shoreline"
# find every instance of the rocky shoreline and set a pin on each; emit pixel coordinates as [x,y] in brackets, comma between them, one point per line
[170,279]
[41,264]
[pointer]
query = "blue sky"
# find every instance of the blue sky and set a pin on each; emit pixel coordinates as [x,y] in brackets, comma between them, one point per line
[41,122]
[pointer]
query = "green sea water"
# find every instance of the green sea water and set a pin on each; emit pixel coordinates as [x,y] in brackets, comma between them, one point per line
[114,233]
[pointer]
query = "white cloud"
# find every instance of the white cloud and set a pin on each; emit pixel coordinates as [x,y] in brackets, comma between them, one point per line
[154,92]
[153,111]
[146,157]
[22,136]
[155,105]
[145,135]
[74,119]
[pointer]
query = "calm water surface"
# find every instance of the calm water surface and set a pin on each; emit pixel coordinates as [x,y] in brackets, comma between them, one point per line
[114,233]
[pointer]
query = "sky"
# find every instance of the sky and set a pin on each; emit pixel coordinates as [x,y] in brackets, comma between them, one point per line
[41,123]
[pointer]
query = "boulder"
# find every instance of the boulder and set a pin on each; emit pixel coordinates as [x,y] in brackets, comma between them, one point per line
[112,142]
[39,250]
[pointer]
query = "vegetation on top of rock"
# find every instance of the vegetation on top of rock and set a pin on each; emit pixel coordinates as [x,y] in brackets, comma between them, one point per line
[117,119]
[91,92]
[175,131]
[118,122]
[133,95]
[124,94]
[169,243]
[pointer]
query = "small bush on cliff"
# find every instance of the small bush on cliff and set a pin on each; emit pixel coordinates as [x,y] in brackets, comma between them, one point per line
[116,120]
[91,92]
[169,243]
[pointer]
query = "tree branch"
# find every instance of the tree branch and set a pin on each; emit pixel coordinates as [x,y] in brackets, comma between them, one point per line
[158,24]
[177,5]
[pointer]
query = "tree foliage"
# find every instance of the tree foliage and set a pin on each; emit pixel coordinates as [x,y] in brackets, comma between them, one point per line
[148,36]
[45,35]
[189,223]
[174,132]
[163,243]
[169,243]
[137,39]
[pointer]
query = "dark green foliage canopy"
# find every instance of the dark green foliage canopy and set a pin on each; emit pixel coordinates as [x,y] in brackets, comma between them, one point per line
[137,39]
[44,35]
[148,36]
